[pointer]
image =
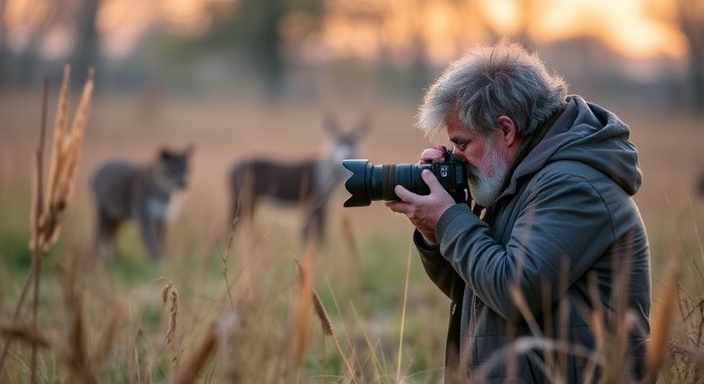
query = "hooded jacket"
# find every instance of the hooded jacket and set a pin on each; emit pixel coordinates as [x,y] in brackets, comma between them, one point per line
[563,241]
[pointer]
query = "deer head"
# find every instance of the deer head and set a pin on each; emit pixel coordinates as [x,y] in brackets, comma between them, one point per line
[344,142]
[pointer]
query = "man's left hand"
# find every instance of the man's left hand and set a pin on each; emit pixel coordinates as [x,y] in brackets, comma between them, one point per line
[423,211]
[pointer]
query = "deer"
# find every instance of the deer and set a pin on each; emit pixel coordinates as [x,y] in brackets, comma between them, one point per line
[308,183]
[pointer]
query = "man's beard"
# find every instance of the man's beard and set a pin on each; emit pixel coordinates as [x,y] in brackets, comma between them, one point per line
[486,189]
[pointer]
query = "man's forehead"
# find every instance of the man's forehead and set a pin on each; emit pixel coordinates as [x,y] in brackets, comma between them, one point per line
[458,131]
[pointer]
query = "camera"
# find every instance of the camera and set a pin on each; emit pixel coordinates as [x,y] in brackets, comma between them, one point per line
[370,182]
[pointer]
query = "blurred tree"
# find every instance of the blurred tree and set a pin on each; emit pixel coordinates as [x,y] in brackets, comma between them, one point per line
[4,48]
[526,12]
[36,19]
[420,70]
[86,50]
[33,23]
[254,29]
[688,17]
[420,62]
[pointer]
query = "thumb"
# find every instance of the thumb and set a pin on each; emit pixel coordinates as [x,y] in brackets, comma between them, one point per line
[404,194]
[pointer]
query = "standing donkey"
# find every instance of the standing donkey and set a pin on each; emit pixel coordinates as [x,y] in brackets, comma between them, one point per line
[309,183]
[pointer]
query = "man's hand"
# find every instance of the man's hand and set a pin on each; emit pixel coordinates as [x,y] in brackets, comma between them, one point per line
[434,154]
[423,211]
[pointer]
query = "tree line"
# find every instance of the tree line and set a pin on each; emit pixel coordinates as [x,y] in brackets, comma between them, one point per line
[269,33]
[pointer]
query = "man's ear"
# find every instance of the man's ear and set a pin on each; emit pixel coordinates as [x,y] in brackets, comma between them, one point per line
[508,130]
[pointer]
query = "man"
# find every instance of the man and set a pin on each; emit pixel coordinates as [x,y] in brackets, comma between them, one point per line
[554,276]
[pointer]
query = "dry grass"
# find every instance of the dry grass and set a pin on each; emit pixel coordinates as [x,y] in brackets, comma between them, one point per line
[249,311]
[49,206]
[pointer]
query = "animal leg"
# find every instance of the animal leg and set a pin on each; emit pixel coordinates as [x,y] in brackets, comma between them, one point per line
[314,225]
[105,238]
[150,236]
[160,229]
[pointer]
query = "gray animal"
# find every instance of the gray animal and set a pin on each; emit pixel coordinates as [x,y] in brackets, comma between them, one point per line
[308,183]
[142,193]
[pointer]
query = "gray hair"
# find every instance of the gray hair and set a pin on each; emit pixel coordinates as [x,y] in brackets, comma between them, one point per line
[489,82]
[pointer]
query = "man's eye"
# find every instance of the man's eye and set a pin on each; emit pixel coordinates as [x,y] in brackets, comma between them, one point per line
[461,146]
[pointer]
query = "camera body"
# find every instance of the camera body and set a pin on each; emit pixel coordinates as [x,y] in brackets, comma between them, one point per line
[370,182]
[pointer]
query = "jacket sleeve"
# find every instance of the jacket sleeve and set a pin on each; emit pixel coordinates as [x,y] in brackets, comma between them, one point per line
[438,269]
[562,227]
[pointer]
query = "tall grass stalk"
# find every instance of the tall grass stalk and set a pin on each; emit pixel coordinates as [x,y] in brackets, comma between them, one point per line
[74,353]
[229,346]
[379,365]
[49,203]
[403,313]
[169,297]
[663,315]
[193,365]
[299,342]
[344,357]
[36,209]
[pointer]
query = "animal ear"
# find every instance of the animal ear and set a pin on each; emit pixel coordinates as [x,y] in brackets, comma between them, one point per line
[330,124]
[190,148]
[364,126]
[165,153]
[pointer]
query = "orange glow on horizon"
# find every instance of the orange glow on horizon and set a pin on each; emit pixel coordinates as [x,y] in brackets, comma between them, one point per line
[623,25]
[446,28]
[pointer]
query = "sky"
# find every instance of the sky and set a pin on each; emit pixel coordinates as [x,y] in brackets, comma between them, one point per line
[623,24]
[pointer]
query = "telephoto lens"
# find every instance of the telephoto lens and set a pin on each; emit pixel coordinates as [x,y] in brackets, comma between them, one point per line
[370,182]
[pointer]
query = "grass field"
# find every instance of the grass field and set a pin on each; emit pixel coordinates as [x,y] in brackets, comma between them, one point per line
[137,321]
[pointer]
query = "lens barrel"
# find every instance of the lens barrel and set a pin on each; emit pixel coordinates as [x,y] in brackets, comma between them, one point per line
[370,182]
[359,184]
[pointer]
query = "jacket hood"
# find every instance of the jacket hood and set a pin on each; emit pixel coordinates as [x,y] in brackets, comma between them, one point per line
[590,134]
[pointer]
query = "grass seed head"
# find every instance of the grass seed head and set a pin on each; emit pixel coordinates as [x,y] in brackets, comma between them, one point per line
[65,155]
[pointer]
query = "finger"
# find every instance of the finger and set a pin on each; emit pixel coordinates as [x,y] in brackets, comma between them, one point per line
[396,206]
[404,194]
[431,154]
